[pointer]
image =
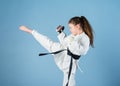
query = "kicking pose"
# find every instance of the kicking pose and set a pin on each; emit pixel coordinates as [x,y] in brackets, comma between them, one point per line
[71,47]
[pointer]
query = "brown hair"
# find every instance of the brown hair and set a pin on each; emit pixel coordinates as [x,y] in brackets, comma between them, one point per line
[85,25]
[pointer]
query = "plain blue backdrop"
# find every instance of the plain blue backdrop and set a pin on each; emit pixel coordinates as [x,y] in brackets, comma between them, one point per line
[20,64]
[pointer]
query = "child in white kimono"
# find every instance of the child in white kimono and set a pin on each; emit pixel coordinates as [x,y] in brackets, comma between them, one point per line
[78,43]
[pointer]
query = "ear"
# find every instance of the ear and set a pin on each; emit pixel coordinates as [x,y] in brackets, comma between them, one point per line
[78,26]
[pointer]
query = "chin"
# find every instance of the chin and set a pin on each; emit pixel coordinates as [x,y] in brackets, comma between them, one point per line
[73,33]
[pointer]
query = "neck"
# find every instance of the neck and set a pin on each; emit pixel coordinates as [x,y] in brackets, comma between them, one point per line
[79,32]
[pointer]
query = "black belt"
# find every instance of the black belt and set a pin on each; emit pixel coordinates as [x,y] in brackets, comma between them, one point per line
[73,56]
[56,52]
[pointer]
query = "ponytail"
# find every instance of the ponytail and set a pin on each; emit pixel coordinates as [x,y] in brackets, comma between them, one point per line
[85,26]
[88,30]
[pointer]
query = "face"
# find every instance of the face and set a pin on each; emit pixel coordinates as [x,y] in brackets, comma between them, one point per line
[73,28]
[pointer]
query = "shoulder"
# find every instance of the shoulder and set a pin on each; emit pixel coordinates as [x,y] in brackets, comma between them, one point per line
[83,38]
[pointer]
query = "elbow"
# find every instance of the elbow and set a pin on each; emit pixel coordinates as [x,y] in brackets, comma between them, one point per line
[85,51]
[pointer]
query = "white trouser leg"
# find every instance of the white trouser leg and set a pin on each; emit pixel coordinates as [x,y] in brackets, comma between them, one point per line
[46,42]
[51,47]
[71,80]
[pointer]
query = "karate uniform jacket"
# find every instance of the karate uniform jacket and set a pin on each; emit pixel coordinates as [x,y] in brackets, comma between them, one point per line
[78,45]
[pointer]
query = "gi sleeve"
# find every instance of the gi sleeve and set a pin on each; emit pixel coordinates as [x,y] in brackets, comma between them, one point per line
[79,46]
[61,37]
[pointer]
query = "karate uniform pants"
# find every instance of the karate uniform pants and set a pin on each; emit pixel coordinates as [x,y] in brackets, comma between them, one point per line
[52,47]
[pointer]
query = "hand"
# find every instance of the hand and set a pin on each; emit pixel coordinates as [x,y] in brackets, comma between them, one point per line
[60,28]
[24,28]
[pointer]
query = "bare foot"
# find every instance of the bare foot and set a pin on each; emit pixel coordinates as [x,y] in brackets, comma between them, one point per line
[24,28]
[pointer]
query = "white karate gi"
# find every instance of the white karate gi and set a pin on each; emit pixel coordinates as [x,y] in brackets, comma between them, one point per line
[78,45]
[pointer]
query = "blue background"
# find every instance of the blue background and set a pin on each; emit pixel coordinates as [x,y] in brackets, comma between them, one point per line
[20,64]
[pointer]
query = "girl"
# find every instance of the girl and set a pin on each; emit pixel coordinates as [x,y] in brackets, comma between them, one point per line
[77,44]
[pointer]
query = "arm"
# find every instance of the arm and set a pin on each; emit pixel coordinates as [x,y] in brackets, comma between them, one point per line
[25,29]
[79,47]
[61,37]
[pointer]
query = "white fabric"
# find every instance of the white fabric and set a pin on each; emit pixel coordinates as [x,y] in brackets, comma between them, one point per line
[71,80]
[78,45]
